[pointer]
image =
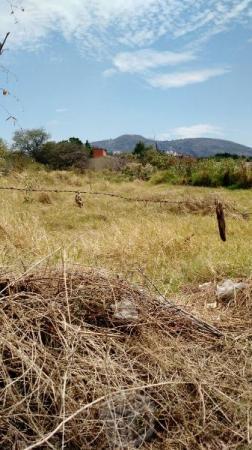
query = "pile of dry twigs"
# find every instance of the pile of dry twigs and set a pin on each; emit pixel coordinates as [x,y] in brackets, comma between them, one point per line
[91,362]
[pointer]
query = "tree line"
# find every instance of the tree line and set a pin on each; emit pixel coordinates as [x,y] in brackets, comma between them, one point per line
[144,163]
[36,145]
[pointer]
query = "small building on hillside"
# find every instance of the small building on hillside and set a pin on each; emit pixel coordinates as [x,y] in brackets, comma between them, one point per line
[171,153]
[98,152]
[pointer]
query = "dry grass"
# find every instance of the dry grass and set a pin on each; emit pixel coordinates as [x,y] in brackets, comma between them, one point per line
[44,198]
[173,244]
[75,376]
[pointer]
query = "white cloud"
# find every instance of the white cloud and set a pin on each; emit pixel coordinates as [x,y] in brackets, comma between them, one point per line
[179,79]
[125,32]
[193,131]
[102,25]
[141,60]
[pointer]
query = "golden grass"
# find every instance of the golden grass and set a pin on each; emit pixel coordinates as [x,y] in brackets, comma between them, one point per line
[70,375]
[171,244]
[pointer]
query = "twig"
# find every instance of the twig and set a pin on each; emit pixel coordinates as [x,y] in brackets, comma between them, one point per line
[65,285]
[63,409]
[204,326]
[3,43]
[12,283]
[203,405]
[95,402]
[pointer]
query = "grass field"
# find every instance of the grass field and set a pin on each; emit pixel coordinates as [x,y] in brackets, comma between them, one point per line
[172,245]
[73,375]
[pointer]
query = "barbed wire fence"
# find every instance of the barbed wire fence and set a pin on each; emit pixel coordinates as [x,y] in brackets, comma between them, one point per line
[216,207]
[111,194]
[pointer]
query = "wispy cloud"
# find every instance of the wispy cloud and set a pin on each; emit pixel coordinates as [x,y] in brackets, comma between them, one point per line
[142,60]
[126,33]
[61,110]
[180,79]
[100,25]
[193,131]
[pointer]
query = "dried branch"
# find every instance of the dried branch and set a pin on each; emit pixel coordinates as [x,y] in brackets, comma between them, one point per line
[2,44]
[201,324]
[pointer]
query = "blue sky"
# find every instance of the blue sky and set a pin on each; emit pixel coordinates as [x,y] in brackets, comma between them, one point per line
[101,68]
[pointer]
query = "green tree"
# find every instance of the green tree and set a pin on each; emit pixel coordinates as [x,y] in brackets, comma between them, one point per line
[30,142]
[88,148]
[140,149]
[63,155]
[88,145]
[76,141]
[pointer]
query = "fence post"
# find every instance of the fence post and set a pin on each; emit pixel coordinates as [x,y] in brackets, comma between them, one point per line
[221,220]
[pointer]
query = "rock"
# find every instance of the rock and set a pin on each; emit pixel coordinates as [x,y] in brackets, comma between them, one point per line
[228,289]
[125,310]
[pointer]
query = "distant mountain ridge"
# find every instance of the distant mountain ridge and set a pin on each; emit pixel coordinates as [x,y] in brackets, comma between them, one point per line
[198,147]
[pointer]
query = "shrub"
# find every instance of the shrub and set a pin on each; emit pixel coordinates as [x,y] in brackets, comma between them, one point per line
[139,171]
[63,155]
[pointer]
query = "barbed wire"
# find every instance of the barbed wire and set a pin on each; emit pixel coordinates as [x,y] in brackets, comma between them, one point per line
[115,195]
[216,207]
[109,194]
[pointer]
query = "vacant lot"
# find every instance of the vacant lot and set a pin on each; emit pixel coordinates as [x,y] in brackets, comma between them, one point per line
[173,244]
[62,346]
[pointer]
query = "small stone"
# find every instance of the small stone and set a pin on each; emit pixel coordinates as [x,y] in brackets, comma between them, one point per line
[125,310]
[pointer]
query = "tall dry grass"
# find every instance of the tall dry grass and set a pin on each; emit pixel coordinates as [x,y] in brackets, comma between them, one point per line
[173,245]
[73,377]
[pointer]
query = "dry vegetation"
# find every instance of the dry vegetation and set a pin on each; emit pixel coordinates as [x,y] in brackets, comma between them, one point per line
[173,244]
[76,376]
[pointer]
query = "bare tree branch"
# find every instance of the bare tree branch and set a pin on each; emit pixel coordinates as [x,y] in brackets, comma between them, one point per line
[3,43]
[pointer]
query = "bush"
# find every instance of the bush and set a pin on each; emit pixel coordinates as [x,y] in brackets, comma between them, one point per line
[207,172]
[168,176]
[17,162]
[225,172]
[139,171]
[63,155]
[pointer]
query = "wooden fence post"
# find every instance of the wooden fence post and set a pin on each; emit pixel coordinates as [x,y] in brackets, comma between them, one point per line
[221,220]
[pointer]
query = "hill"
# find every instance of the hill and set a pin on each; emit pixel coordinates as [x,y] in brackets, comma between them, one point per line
[198,147]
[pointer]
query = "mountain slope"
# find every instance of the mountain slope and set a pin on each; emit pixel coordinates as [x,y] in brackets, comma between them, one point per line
[197,147]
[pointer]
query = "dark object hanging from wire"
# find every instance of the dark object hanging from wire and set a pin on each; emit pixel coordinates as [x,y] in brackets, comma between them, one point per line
[221,220]
[78,200]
